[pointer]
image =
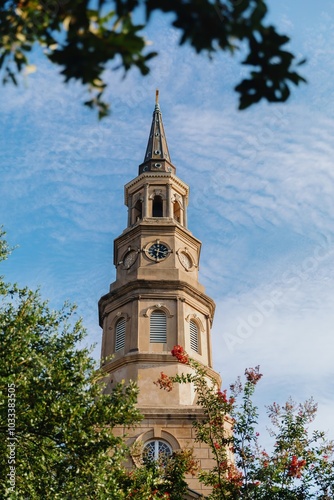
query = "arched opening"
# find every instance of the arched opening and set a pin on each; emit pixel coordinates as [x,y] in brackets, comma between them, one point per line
[120,334]
[158,327]
[194,344]
[177,211]
[157,210]
[137,211]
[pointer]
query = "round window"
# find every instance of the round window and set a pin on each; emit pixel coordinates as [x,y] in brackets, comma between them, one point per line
[156,450]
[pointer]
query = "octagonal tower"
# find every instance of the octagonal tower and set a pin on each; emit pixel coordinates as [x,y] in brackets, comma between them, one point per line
[157,302]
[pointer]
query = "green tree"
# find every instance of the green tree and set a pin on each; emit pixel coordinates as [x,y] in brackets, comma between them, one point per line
[53,414]
[83,37]
[163,479]
[57,424]
[301,463]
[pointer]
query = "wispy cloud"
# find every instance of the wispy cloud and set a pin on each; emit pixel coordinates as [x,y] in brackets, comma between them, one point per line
[261,199]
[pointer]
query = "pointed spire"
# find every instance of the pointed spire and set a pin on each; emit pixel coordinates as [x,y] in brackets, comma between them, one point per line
[157,157]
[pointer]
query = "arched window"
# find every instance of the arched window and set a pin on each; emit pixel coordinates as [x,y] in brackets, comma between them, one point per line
[157,207]
[193,335]
[138,211]
[158,327]
[120,334]
[177,211]
[156,450]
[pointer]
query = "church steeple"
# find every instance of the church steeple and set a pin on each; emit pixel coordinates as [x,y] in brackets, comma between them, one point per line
[157,302]
[157,158]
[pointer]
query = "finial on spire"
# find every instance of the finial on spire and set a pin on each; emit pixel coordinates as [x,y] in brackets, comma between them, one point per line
[157,107]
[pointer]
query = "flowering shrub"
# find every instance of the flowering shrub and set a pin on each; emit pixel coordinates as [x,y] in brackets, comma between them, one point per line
[300,465]
[295,467]
[180,354]
[162,479]
[252,375]
[164,382]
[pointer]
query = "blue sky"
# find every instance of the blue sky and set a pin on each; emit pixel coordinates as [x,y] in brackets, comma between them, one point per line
[261,197]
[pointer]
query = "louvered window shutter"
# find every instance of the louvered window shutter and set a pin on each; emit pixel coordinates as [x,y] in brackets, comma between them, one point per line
[120,334]
[193,336]
[158,327]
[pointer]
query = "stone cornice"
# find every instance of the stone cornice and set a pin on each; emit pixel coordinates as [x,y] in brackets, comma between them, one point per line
[176,413]
[154,225]
[154,175]
[140,358]
[142,287]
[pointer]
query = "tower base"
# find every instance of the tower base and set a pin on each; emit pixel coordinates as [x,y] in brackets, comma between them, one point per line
[173,426]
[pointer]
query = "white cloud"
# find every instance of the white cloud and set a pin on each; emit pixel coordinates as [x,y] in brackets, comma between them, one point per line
[262,197]
[286,327]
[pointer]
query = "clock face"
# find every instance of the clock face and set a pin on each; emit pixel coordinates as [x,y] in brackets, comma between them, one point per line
[130,258]
[158,251]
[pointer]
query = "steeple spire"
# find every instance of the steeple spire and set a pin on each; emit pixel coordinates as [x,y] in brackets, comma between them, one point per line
[157,302]
[157,158]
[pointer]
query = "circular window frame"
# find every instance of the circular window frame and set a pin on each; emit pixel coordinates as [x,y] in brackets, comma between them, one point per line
[151,435]
[158,442]
[183,252]
[130,251]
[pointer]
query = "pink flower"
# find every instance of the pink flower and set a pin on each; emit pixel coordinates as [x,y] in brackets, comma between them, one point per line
[222,396]
[253,375]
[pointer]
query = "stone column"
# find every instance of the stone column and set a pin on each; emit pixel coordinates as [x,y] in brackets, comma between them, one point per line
[129,210]
[169,201]
[145,204]
[180,338]
[184,207]
[208,338]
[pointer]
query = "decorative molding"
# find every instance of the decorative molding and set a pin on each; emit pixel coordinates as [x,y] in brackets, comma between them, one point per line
[186,259]
[130,250]
[197,320]
[157,431]
[154,175]
[160,306]
[157,192]
[178,198]
[137,197]
[171,289]
[118,315]
[137,358]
